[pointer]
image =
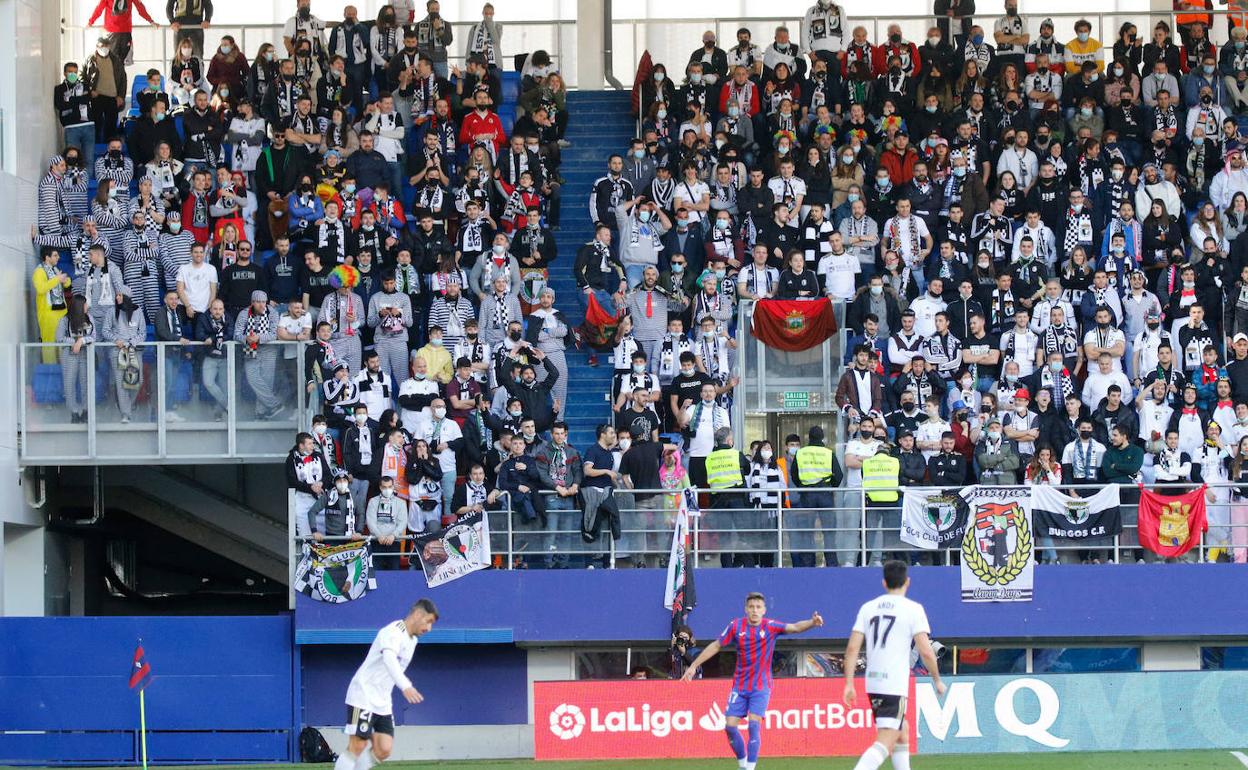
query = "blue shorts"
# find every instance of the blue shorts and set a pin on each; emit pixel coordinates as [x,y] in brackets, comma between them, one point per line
[742,702]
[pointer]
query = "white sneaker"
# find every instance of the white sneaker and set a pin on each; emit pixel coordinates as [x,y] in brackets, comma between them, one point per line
[125,420]
[174,417]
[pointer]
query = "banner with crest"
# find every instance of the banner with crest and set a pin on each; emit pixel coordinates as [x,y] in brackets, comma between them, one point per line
[932,518]
[456,550]
[998,547]
[335,573]
[1076,518]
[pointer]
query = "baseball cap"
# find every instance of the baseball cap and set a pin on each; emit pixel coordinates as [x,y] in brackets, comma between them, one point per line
[1240,336]
[1023,393]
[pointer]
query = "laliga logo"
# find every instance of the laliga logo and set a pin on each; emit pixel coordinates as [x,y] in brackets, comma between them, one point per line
[566,721]
[713,719]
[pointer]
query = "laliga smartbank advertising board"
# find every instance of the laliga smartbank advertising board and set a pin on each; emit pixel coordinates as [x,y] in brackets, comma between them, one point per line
[979,714]
[659,719]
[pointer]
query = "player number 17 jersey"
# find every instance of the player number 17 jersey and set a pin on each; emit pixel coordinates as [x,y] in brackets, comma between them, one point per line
[889,624]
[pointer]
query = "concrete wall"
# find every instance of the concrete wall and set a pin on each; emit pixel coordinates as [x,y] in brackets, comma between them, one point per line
[29,46]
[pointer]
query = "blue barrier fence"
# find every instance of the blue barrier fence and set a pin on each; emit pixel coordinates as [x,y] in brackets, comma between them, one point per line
[223,690]
[1072,602]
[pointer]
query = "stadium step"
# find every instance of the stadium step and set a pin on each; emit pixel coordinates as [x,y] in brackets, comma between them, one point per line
[600,126]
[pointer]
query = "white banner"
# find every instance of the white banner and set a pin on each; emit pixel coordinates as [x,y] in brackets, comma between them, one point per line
[932,518]
[457,550]
[998,548]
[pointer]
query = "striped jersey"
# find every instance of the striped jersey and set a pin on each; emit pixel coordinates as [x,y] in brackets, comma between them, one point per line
[755,647]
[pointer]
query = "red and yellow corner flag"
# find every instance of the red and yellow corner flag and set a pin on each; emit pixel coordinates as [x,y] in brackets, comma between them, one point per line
[792,324]
[1170,525]
[140,671]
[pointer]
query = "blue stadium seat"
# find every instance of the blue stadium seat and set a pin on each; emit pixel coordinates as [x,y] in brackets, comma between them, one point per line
[47,386]
[184,381]
[137,85]
[511,87]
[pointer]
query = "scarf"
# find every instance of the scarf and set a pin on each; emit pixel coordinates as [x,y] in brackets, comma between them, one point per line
[56,295]
[483,43]
[333,237]
[257,323]
[501,316]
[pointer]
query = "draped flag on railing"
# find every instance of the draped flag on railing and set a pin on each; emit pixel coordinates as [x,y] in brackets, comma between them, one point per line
[1076,518]
[794,324]
[998,550]
[335,573]
[679,594]
[933,518]
[1170,525]
[455,551]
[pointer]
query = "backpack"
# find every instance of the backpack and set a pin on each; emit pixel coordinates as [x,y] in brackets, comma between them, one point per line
[313,748]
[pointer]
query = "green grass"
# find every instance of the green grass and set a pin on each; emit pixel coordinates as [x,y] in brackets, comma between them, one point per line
[1137,760]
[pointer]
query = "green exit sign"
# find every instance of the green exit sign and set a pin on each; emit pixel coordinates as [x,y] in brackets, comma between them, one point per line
[796,399]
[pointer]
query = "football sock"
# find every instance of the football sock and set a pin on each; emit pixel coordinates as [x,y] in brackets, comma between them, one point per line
[901,757]
[872,758]
[366,759]
[756,737]
[734,738]
[345,761]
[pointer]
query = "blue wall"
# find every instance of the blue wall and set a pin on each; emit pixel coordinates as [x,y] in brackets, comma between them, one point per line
[222,689]
[462,684]
[1162,601]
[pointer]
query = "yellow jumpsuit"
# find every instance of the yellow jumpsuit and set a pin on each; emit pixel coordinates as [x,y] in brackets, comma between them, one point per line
[44,314]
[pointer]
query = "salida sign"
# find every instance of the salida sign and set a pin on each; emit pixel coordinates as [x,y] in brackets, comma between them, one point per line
[660,719]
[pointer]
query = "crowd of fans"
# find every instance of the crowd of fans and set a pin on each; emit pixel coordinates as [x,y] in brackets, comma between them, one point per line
[1039,254]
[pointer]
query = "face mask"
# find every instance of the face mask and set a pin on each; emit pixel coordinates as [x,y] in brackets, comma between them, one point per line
[159,117]
[721,224]
[1208,69]
[1095,77]
[174,227]
[1085,112]
[894,38]
[983,265]
[659,76]
[994,435]
[661,114]
[436,342]
[959,171]
[439,412]
[865,434]
[1198,140]
[877,291]
[1117,72]
[682,221]
[783,149]
[1116,174]
[320,429]
[881,182]
[933,40]
[978,40]
[852,196]
[71,78]
[1055,366]
[1085,434]
[225,49]
[514,336]
[103,52]
[695,78]
[625,443]
[1083,37]
[908,406]
[342,487]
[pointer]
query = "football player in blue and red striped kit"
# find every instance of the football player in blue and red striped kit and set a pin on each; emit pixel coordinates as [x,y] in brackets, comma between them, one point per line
[755,638]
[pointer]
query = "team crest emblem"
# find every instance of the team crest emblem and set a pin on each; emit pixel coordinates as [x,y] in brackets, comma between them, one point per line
[532,281]
[794,322]
[941,512]
[1077,512]
[1173,529]
[335,573]
[998,546]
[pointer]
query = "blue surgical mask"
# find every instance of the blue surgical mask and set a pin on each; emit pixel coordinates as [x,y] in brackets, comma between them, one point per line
[639,154]
[877,291]
[720,273]
[682,221]
[1083,37]
[881,182]
[644,216]
[348,188]
[1198,140]
[678,267]
[978,40]
[959,171]
[852,197]
[1085,112]
[721,224]
[847,158]
[435,341]
[1055,366]
[931,108]
[1207,69]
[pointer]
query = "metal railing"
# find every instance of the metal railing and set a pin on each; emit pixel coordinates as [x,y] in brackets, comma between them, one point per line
[153,46]
[76,408]
[802,524]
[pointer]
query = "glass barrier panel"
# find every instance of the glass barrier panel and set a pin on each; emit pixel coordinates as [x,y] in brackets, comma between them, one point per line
[54,401]
[127,401]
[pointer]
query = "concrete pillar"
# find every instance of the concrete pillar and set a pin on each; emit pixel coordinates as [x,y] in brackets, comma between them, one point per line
[590,44]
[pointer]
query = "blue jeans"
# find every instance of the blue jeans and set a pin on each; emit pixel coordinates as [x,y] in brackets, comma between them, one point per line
[448,489]
[83,137]
[215,375]
[396,179]
[561,514]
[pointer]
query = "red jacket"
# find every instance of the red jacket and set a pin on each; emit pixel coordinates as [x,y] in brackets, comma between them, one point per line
[202,234]
[119,22]
[854,53]
[751,102]
[474,124]
[911,64]
[900,167]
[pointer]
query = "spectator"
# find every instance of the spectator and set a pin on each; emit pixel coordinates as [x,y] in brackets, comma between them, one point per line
[559,470]
[387,515]
[334,512]
[308,474]
[255,329]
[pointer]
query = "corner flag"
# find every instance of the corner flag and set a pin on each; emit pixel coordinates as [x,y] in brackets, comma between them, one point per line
[140,671]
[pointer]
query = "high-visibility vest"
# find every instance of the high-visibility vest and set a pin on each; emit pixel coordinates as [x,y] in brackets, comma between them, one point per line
[881,472]
[814,465]
[1189,18]
[723,469]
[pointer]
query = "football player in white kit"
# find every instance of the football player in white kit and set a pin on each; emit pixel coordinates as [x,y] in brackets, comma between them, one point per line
[370,723]
[888,625]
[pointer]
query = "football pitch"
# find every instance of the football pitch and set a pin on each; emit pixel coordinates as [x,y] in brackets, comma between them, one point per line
[1127,760]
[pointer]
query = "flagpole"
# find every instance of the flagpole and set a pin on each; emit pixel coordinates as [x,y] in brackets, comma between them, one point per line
[143,728]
